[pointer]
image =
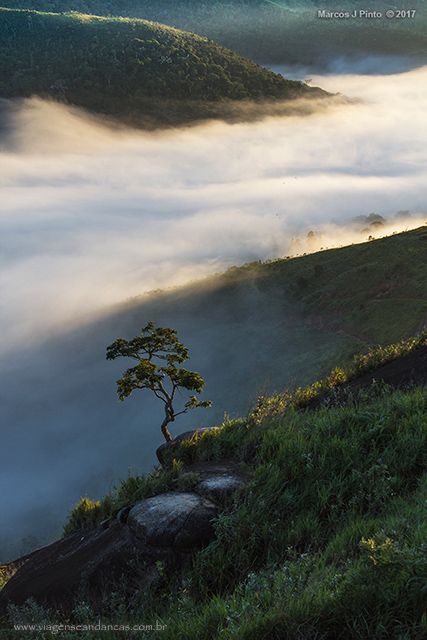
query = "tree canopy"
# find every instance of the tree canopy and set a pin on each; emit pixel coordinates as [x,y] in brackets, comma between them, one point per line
[163,380]
[104,60]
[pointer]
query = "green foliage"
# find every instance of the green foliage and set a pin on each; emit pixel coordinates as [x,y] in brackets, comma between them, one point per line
[138,487]
[121,66]
[338,317]
[162,344]
[380,356]
[6,572]
[316,472]
[272,31]
[85,515]
[128,491]
[328,540]
[328,390]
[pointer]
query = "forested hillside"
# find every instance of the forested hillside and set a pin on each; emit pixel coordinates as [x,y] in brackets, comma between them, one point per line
[270,32]
[113,64]
[133,7]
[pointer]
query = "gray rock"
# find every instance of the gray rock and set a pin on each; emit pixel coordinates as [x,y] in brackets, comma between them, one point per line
[174,519]
[219,486]
[218,478]
[165,528]
[122,515]
[98,558]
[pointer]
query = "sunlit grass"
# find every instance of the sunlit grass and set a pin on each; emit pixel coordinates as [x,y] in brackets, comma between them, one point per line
[326,540]
[241,436]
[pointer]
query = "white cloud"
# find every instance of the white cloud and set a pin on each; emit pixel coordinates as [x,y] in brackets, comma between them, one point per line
[91,216]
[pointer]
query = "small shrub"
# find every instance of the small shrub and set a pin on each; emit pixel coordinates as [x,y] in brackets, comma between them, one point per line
[85,515]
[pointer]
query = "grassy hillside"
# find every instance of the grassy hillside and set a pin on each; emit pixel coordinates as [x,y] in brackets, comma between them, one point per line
[328,538]
[276,32]
[326,541]
[369,290]
[125,66]
[311,312]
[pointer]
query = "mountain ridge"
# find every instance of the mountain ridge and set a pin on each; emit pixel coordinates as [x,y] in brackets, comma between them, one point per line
[125,67]
[283,32]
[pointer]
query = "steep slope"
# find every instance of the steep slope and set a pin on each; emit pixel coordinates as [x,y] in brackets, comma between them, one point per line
[252,330]
[326,535]
[318,309]
[120,66]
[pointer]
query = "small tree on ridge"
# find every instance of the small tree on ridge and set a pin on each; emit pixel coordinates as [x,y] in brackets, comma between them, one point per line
[164,380]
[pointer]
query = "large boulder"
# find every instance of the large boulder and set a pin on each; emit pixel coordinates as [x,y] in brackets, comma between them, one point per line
[86,562]
[124,553]
[218,487]
[218,479]
[93,563]
[174,519]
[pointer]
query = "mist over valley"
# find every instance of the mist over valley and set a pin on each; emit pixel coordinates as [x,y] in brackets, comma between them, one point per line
[94,215]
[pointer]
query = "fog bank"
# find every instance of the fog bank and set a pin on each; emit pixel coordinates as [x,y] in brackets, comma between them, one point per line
[92,215]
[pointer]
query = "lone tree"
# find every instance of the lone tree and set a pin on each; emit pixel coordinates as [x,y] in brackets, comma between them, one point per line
[164,381]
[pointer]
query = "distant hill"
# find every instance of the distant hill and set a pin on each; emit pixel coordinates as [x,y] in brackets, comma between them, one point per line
[272,31]
[121,66]
[318,310]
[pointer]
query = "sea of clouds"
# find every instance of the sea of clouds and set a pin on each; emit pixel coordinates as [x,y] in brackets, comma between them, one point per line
[93,214]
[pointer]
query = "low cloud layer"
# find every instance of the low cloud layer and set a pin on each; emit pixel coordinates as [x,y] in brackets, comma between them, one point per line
[92,215]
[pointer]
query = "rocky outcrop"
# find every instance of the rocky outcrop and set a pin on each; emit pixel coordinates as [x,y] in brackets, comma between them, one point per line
[174,519]
[88,561]
[218,479]
[125,552]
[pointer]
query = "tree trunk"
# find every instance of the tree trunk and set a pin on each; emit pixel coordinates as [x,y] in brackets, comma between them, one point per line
[170,417]
[165,431]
